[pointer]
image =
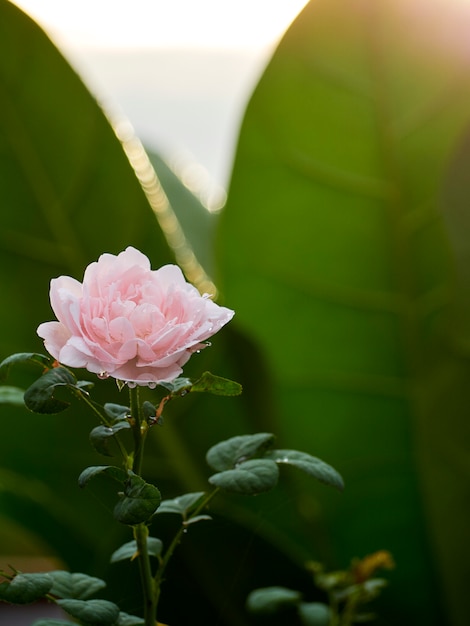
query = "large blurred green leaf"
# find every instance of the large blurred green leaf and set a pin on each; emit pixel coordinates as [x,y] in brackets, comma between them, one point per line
[68,195]
[335,258]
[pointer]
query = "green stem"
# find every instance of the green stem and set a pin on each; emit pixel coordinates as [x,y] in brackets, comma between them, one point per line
[350,609]
[334,611]
[139,430]
[148,585]
[158,580]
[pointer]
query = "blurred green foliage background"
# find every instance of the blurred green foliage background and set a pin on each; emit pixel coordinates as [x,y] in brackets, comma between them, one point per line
[343,249]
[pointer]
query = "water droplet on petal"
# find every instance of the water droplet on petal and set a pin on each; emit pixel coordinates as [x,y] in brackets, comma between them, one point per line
[131,384]
[151,385]
[103,375]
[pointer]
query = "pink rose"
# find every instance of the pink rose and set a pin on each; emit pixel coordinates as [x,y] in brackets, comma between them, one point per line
[129,322]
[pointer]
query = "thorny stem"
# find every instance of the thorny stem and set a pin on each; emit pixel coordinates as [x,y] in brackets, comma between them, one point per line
[151,586]
[350,609]
[148,585]
[139,430]
[334,611]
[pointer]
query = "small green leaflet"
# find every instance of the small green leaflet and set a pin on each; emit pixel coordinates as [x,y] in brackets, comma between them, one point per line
[129,550]
[25,588]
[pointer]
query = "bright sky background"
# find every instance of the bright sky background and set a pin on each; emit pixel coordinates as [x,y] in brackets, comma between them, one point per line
[137,23]
[181,71]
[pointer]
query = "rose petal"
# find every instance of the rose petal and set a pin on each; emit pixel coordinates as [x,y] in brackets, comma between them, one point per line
[55,336]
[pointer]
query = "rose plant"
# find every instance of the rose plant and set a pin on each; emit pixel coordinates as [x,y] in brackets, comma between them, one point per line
[138,326]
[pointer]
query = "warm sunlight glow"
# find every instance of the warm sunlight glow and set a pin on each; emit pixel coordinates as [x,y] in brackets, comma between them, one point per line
[180,70]
[158,23]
